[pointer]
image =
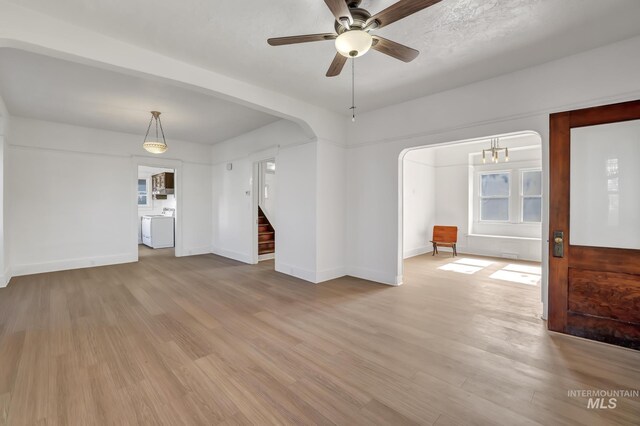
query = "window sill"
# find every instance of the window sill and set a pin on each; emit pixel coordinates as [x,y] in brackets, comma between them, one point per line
[508,237]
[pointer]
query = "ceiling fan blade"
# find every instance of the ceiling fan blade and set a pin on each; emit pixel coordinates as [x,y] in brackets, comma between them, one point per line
[393,49]
[340,10]
[280,41]
[336,66]
[399,10]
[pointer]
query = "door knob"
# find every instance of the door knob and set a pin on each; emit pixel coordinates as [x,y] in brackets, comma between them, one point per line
[558,244]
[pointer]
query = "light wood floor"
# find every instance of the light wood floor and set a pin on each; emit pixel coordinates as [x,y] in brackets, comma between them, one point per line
[206,340]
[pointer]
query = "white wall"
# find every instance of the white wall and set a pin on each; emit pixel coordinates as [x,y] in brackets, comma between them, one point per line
[5,272]
[296,238]
[195,210]
[511,103]
[331,212]
[232,217]
[68,209]
[311,195]
[72,193]
[419,201]
[233,189]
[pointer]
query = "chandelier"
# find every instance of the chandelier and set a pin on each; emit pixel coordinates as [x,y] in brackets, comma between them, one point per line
[495,151]
[155,144]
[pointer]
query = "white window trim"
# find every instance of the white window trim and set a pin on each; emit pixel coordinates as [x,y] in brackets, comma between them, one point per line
[515,227]
[480,197]
[522,196]
[148,205]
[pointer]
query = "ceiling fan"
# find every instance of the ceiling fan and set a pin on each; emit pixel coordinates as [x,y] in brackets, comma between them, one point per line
[353,27]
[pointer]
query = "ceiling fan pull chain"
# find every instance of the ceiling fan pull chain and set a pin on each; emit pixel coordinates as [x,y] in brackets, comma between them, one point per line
[353,90]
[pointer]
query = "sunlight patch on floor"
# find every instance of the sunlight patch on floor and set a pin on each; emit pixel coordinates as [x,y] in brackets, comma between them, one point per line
[526,269]
[460,268]
[516,276]
[474,262]
[513,272]
[466,266]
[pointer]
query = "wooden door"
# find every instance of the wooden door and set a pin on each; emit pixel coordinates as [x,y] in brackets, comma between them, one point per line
[594,277]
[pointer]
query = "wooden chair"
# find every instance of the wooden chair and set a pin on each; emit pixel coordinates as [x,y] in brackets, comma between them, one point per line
[445,236]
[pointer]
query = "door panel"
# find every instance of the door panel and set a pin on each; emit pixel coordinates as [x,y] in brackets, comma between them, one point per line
[588,289]
[594,277]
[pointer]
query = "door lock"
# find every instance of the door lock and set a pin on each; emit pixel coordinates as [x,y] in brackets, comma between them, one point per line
[558,244]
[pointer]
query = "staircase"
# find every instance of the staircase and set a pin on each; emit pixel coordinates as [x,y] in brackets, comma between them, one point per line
[266,235]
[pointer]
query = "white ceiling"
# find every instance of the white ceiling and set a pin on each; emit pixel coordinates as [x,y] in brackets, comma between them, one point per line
[461,41]
[42,87]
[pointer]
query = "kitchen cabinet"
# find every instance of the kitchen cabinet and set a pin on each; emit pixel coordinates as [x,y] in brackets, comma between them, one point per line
[162,184]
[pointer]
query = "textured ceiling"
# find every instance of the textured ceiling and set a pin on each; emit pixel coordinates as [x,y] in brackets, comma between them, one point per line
[461,41]
[51,89]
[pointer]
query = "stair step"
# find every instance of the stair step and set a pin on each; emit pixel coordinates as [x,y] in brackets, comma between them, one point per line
[266,234]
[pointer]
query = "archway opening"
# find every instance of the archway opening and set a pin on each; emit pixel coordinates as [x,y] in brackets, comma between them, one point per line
[490,204]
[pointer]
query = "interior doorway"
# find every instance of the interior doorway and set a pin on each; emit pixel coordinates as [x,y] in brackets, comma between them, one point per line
[157,209]
[265,210]
[491,191]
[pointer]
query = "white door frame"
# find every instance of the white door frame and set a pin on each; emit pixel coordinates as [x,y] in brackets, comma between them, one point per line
[163,163]
[255,189]
[255,202]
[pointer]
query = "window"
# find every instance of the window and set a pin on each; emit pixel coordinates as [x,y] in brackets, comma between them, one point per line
[143,199]
[494,196]
[531,196]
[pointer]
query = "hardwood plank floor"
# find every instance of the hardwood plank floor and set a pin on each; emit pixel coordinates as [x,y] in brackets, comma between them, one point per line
[207,340]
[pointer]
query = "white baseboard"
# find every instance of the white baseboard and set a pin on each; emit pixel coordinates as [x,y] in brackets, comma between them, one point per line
[492,253]
[330,274]
[294,271]
[195,251]
[64,265]
[5,278]
[240,257]
[417,251]
[375,276]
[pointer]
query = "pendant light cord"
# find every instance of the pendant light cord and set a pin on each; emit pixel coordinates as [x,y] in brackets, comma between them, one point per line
[148,128]
[162,131]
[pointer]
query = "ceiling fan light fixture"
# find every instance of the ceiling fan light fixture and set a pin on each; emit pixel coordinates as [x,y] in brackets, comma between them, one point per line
[354,43]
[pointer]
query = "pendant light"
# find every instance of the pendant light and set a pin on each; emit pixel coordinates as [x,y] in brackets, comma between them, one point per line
[495,151]
[155,144]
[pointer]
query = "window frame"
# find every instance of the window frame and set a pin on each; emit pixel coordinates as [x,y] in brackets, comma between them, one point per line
[146,192]
[522,196]
[481,197]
